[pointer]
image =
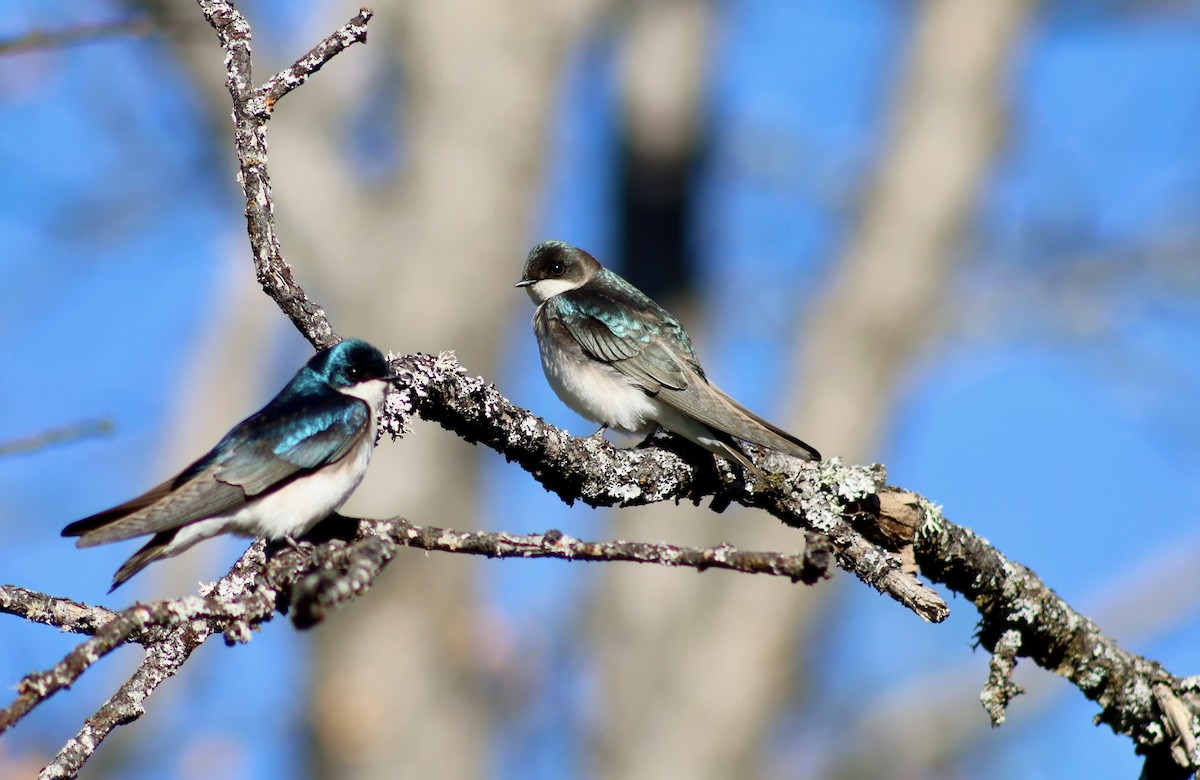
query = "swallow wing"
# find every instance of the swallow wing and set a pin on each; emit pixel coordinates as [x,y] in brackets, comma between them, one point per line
[637,337]
[720,411]
[643,341]
[294,439]
[162,501]
[263,452]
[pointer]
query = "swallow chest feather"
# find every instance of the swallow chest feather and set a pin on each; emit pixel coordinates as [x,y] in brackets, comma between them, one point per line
[297,507]
[590,387]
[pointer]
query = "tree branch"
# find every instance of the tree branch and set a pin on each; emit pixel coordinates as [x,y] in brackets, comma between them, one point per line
[270,578]
[243,597]
[881,534]
[252,109]
[816,497]
[342,573]
[162,660]
[352,32]
[61,613]
[277,578]
[1021,616]
[848,504]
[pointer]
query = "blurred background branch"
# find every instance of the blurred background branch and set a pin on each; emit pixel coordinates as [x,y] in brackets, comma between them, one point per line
[73,36]
[51,437]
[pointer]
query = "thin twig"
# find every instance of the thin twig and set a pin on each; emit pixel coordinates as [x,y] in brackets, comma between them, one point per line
[352,32]
[125,626]
[999,689]
[319,581]
[61,613]
[807,567]
[342,574]
[181,620]
[162,660]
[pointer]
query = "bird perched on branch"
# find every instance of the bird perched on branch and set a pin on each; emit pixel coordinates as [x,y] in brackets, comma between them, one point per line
[619,359]
[276,474]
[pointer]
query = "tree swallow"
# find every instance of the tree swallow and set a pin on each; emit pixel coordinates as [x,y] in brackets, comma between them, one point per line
[619,359]
[276,474]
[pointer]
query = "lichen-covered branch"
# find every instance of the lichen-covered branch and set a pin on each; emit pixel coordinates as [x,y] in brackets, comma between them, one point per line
[39,686]
[308,584]
[1000,689]
[252,107]
[65,614]
[1020,616]
[162,660]
[345,572]
[358,545]
[850,505]
[869,526]
[350,33]
[807,567]
[816,497]
[465,401]
[176,628]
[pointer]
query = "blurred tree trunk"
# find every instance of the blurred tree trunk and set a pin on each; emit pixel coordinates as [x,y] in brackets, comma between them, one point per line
[416,252]
[693,678]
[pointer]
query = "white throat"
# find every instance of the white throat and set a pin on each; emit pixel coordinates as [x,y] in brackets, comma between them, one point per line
[544,289]
[372,392]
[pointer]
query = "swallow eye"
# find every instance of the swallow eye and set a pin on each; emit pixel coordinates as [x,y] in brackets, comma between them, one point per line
[353,372]
[557,269]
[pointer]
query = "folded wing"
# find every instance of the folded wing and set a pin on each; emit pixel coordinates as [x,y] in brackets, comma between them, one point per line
[261,454]
[654,351]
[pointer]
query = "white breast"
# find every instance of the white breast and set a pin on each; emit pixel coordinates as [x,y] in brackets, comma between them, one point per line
[594,389]
[294,509]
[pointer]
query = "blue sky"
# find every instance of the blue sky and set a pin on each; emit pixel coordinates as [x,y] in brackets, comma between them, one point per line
[1040,438]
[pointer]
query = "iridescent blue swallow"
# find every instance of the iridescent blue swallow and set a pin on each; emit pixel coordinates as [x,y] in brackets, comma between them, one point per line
[276,474]
[621,360]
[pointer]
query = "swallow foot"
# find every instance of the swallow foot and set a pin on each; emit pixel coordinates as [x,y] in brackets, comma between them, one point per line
[599,434]
[304,547]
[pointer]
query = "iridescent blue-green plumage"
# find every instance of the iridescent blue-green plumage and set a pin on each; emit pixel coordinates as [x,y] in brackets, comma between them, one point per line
[311,427]
[297,432]
[617,323]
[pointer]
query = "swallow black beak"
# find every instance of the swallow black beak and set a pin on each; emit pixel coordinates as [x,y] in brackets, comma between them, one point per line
[524,282]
